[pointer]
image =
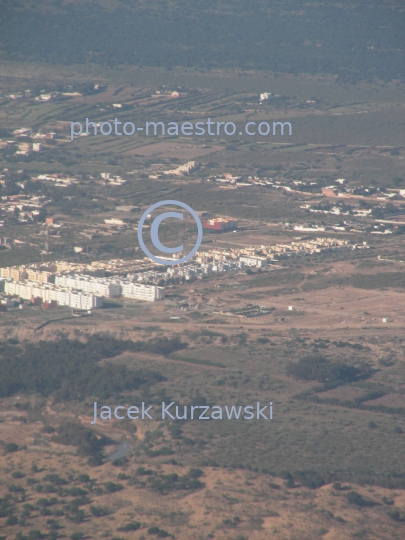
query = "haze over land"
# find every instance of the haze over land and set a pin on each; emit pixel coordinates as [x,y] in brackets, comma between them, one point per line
[299,301]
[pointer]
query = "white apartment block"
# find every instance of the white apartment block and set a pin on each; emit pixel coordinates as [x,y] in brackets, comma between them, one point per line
[141,291]
[90,284]
[111,287]
[48,292]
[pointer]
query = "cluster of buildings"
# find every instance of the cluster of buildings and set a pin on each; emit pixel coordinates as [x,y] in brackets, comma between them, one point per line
[26,141]
[200,269]
[220,224]
[168,94]
[25,148]
[235,181]
[111,180]
[22,148]
[183,170]
[259,256]
[83,286]
[25,208]
[305,247]
[219,260]
[48,95]
[337,209]
[96,268]
[28,132]
[343,190]
[59,180]
[51,96]
[79,291]
[22,273]
[339,188]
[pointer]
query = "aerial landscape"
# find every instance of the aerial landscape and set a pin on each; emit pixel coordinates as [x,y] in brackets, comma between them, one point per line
[235,371]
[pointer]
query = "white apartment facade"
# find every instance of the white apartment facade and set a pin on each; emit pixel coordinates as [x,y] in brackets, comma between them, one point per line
[90,284]
[111,287]
[141,291]
[48,292]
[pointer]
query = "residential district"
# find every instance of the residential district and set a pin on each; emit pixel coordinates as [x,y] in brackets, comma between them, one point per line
[83,286]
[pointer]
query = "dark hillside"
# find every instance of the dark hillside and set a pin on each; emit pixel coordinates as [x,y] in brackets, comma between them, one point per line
[354,40]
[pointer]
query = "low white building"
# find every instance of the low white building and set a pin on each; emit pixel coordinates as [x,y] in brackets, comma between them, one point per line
[264,96]
[254,261]
[114,221]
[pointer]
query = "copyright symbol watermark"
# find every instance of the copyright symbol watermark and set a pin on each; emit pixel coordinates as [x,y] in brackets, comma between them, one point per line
[154,232]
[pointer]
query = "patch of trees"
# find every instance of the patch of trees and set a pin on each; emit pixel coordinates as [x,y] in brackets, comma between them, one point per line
[99,511]
[67,369]
[355,498]
[163,346]
[357,346]
[395,515]
[112,487]
[73,433]
[7,506]
[11,447]
[378,281]
[322,369]
[57,480]
[133,526]
[309,479]
[164,451]
[338,487]
[175,430]
[160,533]
[167,483]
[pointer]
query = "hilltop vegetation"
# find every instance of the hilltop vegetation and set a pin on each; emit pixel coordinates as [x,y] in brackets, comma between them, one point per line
[354,40]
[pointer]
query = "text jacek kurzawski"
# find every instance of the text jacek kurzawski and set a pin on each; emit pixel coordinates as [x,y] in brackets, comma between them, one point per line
[171,411]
